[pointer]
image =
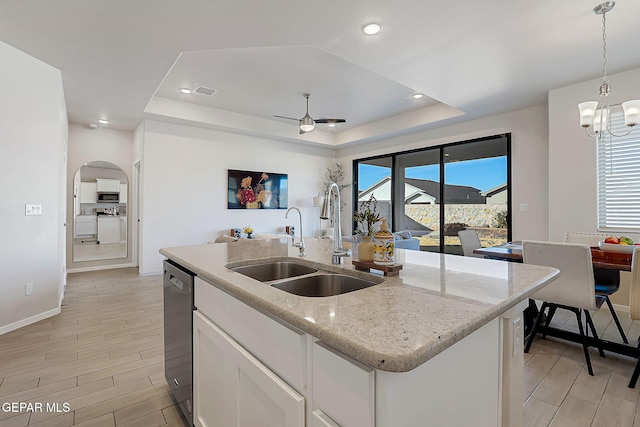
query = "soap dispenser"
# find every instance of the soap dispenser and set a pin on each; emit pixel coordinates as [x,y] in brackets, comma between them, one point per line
[384,245]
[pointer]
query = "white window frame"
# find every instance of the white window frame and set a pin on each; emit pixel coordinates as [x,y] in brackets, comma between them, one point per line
[618,174]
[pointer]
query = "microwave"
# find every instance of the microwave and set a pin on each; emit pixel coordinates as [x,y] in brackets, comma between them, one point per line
[108,197]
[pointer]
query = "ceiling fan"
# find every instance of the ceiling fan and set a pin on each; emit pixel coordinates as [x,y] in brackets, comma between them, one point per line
[307,124]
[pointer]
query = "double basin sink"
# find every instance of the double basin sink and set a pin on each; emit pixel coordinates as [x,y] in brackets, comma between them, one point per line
[303,280]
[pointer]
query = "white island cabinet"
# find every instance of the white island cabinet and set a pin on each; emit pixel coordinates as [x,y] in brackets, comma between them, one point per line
[287,373]
[108,229]
[439,345]
[233,388]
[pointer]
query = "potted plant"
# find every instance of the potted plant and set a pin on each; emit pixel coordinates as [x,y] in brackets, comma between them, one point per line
[366,217]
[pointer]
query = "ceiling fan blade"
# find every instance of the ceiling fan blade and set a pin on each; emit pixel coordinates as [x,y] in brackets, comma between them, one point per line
[330,121]
[285,117]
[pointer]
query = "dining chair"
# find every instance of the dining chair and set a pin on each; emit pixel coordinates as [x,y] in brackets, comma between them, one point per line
[607,281]
[469,240]
[634,305]
[573,290]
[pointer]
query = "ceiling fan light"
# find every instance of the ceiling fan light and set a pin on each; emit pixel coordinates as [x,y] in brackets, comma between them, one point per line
[631,112]
[307,124]
[587,112]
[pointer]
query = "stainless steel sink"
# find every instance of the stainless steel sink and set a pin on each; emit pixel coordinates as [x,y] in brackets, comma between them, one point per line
[323,285]
[274,270]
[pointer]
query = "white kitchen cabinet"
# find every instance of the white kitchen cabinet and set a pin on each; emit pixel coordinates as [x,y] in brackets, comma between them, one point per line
[233,388]
[336,376]
[88,192]
[339,391]
[123,193]
[108,185]
[320,419]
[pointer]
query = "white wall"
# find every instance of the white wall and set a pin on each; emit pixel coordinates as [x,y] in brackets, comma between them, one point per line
[529,150]
[184,185]
[32,171]
[572,154]
[90,145]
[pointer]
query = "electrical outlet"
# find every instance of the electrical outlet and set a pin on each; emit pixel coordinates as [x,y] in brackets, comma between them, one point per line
[518,336]
[28,289]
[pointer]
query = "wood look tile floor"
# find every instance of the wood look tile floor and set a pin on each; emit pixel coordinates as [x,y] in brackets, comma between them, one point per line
[560,392]
[103,356]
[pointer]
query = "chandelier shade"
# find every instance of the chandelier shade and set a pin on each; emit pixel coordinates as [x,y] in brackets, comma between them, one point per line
[631,112]
[596,115]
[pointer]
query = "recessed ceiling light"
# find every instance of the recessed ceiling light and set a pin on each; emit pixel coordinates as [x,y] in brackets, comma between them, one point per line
[103,121]
[418,95]
[185,90]
[372,28]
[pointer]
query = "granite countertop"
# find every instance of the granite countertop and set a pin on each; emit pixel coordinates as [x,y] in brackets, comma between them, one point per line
[394,326]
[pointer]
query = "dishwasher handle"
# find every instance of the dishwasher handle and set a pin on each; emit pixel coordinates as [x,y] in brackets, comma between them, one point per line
[175,281]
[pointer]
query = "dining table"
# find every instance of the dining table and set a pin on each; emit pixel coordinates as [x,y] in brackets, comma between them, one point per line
[605,263]
[512,251]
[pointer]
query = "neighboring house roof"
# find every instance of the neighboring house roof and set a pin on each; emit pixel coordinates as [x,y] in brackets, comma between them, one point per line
[424,191]
[418,197]
[495,190]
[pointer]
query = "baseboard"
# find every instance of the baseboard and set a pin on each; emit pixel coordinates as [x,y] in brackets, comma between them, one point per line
[153,273]
[99,267]
[29,320]
[622,308]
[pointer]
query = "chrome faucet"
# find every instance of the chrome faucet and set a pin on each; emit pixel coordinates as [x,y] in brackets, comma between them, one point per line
[338,251]
[299,245]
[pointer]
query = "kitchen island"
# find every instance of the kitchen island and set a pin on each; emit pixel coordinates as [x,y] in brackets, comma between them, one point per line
[440,344]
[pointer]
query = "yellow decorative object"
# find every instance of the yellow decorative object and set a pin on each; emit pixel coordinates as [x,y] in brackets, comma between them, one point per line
[365,249]
[384,245]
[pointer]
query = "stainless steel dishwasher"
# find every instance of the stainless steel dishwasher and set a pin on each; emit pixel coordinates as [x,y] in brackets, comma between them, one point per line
[178,335]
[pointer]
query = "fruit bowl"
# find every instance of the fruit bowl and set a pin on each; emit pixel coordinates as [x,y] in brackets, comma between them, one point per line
[612,247]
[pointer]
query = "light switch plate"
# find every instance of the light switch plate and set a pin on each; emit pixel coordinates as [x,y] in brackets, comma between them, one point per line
[33,209]
[524,207]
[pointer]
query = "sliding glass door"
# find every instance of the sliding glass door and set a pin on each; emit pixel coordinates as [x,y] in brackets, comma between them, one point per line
[436,192]
[476,192]
[418,195]
[374,178]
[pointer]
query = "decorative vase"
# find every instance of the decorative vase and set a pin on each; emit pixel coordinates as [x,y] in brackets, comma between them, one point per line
[252,205]
[249,235]
[384,246]
[366,249]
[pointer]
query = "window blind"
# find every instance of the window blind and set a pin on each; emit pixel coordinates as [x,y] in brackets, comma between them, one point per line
[618,164]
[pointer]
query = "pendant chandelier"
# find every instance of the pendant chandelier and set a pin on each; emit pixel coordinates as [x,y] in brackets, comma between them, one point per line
[597,114]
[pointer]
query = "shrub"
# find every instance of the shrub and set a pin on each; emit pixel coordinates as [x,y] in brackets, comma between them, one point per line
[500,220]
